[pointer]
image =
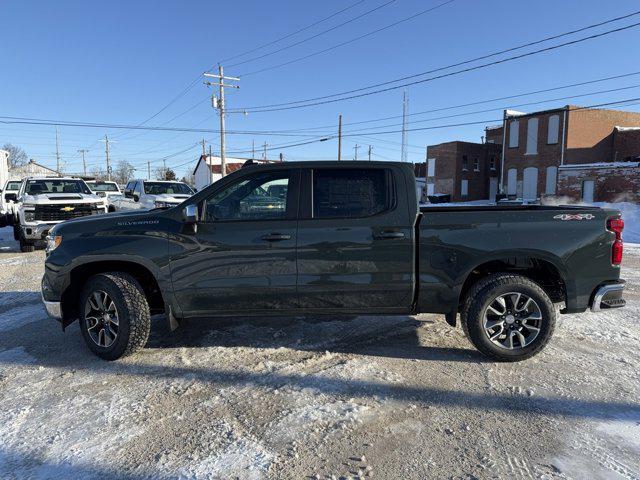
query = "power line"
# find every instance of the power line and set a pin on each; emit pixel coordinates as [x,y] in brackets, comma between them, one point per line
[318,100]
[342,44]
[289,35]
[319,34]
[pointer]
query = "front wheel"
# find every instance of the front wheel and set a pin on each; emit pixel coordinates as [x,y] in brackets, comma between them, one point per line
[510,318]
[114,315]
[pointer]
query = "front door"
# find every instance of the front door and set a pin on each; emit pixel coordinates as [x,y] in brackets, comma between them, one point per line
[530,183]
[243,254]
[355,241]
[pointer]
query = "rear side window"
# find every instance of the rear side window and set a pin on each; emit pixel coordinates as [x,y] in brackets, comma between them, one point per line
[350,193]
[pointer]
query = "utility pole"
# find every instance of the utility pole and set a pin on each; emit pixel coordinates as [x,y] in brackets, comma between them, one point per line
[405,107]
[106,150]
[220,105]
[281,157]
[264,151]
[204,150]
[84,164]
[355,157]
[253,149]
[57,152]
[148,170]
[370,150]
[339,137]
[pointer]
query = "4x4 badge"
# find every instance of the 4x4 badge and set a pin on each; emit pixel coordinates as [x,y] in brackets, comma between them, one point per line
[575,216]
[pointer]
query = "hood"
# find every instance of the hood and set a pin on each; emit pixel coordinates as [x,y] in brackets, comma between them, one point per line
[66,198]
[98,222]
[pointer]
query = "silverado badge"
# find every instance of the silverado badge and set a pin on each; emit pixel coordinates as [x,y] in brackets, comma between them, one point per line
[67,209]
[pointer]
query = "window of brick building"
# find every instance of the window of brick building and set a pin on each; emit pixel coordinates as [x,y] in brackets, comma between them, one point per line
[464,188]
[476,164]
[552,132]
[492,163]
[465,162]
[514,132]
[532,136]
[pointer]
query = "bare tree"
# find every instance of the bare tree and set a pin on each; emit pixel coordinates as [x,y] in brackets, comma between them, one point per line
[17,156]
[98,173]
[123,172]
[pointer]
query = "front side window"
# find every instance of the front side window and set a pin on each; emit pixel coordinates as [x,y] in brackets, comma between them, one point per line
[13,186]
[168,188]
[38,187]
[262,196]
[349,193]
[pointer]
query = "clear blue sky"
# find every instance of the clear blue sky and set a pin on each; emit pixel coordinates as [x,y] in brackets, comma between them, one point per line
[120,62]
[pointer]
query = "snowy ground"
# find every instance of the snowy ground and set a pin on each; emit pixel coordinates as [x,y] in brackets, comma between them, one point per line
[400,397]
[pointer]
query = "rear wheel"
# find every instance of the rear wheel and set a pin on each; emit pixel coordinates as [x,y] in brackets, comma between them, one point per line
[114,315]
[509,318]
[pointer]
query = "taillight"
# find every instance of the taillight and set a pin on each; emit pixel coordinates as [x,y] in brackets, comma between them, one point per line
[616,225]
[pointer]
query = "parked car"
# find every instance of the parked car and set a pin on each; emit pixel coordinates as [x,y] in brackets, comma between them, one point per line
[148,194]
[346,238]
[9,195]
[46,201]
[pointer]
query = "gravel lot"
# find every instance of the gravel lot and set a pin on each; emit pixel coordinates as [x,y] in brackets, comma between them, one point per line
[374,397]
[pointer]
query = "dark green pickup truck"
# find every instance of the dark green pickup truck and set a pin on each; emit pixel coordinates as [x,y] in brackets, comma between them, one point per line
[338,238]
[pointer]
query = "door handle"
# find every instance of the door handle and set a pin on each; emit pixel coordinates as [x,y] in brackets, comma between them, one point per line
[275,237]
[385,235]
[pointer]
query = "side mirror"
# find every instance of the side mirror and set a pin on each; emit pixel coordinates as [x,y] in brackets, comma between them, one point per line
[136,197]
[190,214]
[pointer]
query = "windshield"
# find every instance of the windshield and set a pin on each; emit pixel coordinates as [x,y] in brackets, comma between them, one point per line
[13,185]
[103,187]
[170,188]
[38,187]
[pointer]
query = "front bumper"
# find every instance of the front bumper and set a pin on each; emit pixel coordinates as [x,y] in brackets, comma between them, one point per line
[608,296]
[37,232]
[54,309]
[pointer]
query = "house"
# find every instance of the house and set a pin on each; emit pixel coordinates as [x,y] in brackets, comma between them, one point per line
[31,169]
[570,151]
[465,170]
[208,169]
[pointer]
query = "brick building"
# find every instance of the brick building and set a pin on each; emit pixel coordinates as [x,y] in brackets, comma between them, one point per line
[464,170]
[543,147]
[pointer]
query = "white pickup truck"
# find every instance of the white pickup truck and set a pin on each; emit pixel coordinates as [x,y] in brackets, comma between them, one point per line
[9,195]
[106,189]
[148,194]
[43,202]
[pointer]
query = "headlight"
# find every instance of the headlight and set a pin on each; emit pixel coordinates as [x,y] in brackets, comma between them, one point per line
[29,215]
[53,242]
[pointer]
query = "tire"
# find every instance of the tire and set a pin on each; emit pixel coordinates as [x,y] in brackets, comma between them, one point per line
[26,246]
[131,312]
[519,331]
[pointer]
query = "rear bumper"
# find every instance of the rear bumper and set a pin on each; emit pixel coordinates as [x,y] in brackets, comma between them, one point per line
[608,296]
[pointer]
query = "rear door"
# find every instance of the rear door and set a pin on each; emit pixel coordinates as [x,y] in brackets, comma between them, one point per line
[355,240]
